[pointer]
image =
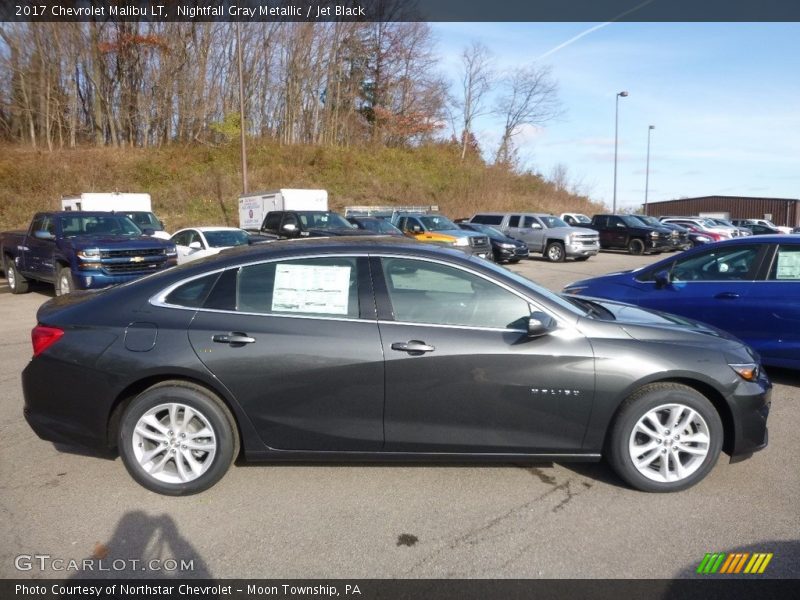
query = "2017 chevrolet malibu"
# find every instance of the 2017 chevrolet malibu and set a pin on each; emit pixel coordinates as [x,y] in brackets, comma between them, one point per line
[380,349]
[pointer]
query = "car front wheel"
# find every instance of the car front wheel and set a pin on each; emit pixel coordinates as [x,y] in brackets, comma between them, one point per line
[666,438]
[555,252]
[177,439]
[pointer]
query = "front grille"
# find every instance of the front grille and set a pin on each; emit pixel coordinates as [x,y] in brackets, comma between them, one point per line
[480,242]
[113,268]
[586,239]
[132,253]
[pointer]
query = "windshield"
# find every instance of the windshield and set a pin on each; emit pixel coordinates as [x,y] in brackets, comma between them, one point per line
[98,225]
[312,219]
[551,222]
[648,220]
[490,231]
[582,218]
[437,223]
[632,221]
[724,222]
[224,238]
[379,226]
[145,220]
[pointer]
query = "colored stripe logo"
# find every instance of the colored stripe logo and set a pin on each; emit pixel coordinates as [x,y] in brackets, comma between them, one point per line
[734,563]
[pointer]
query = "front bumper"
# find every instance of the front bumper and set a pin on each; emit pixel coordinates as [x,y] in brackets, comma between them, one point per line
[94,279]
[580,249]
[511,253]
[750,405]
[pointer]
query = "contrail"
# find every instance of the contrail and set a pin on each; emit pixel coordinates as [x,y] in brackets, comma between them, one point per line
[592,29]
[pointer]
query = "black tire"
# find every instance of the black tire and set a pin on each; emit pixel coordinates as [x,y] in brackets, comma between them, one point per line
[513,261]
[201,401]
[581,258]
[16,281]
[635,408]
[636,247]
[63,283]
[554,252]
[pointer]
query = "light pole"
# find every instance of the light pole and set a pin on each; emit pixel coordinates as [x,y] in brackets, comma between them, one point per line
[616,143]
[241,109]
[647,169]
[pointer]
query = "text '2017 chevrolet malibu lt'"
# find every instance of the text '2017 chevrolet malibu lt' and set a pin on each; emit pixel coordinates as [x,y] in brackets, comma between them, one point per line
[379,349]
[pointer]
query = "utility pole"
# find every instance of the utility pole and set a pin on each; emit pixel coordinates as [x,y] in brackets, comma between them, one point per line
[241,109]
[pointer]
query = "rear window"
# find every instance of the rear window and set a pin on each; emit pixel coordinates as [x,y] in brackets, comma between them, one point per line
[192,294]
[487,219]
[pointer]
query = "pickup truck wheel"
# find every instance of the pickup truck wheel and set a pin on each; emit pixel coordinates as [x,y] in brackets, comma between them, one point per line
[665,438]
[63,281]
[177,438]
[17,283]
[555,252]
[636,247]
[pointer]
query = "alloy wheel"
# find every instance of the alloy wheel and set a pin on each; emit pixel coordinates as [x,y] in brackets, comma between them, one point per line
[174,443]
[669,443]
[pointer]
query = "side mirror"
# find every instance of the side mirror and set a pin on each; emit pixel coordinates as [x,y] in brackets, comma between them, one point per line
[536,226]
[540,324]
[621,225]
[196,246]
[43,235]
[662,279]
[148,231]
[289,229]
[416,229]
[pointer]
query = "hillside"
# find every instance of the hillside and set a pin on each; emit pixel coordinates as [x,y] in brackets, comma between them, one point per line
[199,185]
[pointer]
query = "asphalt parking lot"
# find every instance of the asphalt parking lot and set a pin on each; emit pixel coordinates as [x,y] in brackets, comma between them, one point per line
[395,521]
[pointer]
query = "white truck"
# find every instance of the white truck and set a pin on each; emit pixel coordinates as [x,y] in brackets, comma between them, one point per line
[135,205]
[253,207]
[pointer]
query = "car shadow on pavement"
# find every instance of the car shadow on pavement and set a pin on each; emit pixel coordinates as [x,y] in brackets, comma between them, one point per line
[144,547]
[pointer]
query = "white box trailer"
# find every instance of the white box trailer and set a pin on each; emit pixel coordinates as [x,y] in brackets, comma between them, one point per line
[254,206]
[108,201]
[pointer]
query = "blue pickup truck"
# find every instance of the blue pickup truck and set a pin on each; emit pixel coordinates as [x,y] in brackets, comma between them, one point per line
[81,250]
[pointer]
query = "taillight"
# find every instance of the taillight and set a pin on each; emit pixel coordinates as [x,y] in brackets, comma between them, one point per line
[43,337]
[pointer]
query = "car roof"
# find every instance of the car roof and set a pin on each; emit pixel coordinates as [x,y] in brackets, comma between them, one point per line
[207,228]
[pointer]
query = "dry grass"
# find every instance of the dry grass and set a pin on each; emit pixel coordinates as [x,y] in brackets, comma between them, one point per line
[198,185]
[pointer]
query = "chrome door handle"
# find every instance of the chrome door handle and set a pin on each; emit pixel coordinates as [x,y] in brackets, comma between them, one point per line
[413,347]
[232,338]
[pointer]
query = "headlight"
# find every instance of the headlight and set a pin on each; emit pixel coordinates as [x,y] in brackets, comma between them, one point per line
[462,241]
[747,371]
[89,254]
[654,234]
[508,246]
[703,238]
[172,251]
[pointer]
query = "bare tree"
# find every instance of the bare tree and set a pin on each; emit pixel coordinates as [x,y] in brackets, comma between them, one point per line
[530,97]
[476,80]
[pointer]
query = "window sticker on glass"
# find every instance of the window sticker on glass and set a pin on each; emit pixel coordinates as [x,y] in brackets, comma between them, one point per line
[788,265]
[311,289]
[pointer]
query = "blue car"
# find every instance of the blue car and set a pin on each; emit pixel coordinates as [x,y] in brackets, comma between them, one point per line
[747,286]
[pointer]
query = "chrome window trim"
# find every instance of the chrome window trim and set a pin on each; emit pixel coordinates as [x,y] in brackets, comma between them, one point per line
[443,326]
[159,299]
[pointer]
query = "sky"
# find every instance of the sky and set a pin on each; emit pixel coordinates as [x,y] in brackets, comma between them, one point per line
[724,99]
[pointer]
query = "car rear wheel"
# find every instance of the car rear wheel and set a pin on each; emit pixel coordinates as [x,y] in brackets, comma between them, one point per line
[555,252]
[177,439]
[17,283]
[636,247]
[666,438]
